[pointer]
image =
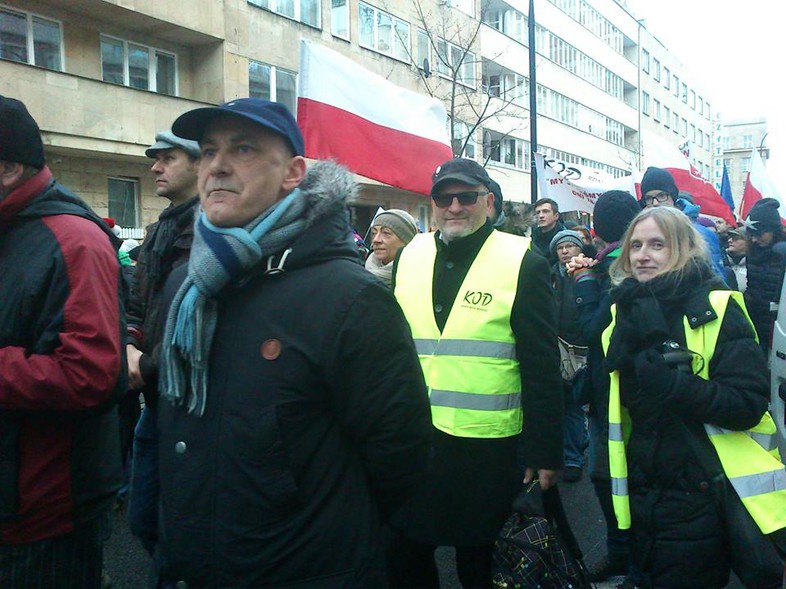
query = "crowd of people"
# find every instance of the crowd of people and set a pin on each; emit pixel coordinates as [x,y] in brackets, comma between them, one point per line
[313,417]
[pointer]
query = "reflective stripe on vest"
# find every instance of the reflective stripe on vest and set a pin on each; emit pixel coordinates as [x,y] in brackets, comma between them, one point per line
[749,458]
[471,368]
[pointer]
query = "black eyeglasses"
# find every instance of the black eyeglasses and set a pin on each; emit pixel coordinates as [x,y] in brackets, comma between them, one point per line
[469,197]
[659,196]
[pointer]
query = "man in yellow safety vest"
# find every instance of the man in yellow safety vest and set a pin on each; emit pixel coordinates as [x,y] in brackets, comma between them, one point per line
[481,310]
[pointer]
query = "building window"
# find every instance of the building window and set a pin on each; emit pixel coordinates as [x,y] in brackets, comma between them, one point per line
[305,11]
[645,61]
[707,113]
[656,108]
[463,140]
[666,78]
[645,103]
[685,128]
[747,142]
[123,201]
[666,117]
[506,150]
[684,93]
[676,85]
[656,70]
[422,48]
[32,39]
[675,123]
[452,58]
[693,133]
[693,99]
[339,18]
[383,32]
[138,66]
[746,164]
[272,83]
[465,6]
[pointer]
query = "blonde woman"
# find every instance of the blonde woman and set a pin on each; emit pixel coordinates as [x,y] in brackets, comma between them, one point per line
[688,382]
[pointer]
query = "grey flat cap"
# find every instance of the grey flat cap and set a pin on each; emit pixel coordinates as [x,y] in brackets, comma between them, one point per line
[168,140]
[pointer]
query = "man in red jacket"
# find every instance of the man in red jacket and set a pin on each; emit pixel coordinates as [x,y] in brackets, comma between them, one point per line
[61,367]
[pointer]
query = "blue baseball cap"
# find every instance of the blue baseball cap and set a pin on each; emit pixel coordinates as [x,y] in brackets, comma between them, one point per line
[271,115]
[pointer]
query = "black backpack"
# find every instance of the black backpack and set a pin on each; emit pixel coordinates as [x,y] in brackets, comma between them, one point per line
[536,549]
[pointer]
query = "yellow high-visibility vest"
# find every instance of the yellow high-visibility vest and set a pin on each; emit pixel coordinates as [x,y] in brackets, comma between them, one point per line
[749,458]
[471,367]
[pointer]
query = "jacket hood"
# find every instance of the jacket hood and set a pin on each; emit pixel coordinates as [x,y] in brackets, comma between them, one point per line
[326,187]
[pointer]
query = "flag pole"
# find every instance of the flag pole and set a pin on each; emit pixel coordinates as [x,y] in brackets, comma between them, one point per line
[533,104]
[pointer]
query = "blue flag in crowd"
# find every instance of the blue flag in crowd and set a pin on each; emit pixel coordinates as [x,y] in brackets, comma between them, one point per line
[725,190]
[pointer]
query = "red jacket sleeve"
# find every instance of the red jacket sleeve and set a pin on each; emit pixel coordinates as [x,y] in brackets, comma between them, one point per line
[81,316]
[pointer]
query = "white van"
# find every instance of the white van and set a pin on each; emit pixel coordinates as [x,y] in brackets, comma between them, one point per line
[778,372]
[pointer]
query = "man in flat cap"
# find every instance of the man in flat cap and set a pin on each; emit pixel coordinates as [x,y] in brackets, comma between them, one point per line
[481,309]
[62,370]
[167,246]
[289,429]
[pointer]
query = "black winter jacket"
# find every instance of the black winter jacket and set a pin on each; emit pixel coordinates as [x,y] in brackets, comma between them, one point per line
[468,494]
[61,362]
[317,424]
[766,266]
[144,323]
[679,537]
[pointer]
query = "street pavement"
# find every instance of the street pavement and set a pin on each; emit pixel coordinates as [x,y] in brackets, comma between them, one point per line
[128,564]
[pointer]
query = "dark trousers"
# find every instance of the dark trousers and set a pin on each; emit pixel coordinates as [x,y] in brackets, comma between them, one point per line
[411,565]
[145,484]
[70,561]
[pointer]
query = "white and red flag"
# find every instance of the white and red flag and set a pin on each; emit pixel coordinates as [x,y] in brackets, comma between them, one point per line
[375,128]
[660,153]
[757,186]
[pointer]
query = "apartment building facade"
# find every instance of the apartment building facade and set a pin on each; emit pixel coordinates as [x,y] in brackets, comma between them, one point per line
[740,137]
[102,76]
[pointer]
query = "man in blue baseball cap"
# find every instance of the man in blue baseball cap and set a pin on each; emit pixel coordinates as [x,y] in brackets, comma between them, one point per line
[289,428]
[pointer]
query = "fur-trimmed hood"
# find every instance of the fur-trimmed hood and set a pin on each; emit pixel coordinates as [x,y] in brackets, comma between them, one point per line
[327,187]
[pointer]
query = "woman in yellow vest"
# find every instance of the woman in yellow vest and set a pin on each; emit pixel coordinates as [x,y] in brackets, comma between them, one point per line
[689,432]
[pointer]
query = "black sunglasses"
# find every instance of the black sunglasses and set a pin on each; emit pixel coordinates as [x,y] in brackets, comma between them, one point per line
[470,197]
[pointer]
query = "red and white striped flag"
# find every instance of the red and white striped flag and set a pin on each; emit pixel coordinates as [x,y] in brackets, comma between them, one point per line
[757,186]
[375,128]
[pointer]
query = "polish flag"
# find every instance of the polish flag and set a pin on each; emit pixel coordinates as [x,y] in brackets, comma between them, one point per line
[660,153]
[757,186]
[375,128]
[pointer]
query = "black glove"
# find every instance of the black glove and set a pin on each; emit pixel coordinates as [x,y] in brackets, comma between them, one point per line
[655,376]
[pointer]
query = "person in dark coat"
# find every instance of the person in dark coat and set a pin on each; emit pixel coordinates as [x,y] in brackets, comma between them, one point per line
[167,246]
[481,310]
[766,263]
[62,370]
[689,526]
[293,418]
[567,245]
[613,212]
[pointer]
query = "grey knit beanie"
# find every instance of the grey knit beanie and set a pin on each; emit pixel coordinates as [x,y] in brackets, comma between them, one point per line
[399,222]
[566,235]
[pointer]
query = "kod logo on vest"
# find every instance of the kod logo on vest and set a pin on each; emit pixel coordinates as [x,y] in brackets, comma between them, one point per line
[477,299]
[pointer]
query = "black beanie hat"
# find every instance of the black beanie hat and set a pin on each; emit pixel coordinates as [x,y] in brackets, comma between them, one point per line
[763,217]
[497,191]
[658,179]
[20,137]
[614,210]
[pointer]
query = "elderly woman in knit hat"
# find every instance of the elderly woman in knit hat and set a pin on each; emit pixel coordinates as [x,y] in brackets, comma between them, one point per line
[564,246]
[390,231]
